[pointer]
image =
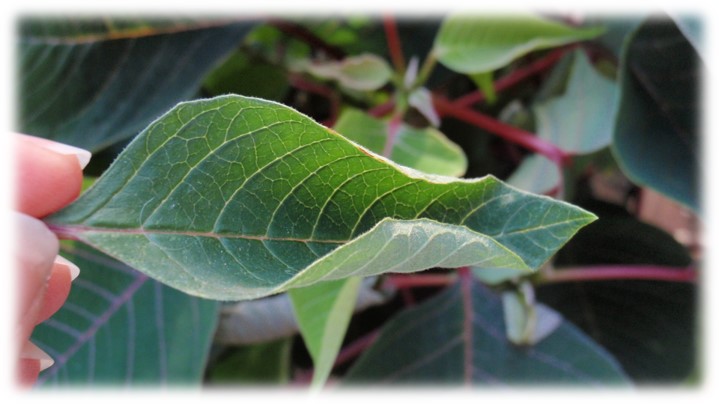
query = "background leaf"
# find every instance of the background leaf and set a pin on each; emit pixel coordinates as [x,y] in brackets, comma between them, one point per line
[263,363]
[120,327]
[577,120]
[474,44]
[650,326]
[458,337]
[364,72]
[92,82]
[186,205]
[657,123]
[426,150]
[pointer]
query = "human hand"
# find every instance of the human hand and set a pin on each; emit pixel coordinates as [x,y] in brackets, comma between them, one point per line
[48,176]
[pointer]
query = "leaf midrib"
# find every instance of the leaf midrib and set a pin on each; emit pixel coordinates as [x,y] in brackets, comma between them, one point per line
[74,232]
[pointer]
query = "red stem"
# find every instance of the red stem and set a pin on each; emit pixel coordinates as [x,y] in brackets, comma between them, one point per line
[414,281]
[356,347]
[508,132]
[393,43]
[301,83]
[617,272]
[382,109]
[516,76]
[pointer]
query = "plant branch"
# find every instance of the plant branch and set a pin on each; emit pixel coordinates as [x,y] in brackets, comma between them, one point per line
[510,133]
[393,43]
[382,109]
[307,36]
[618,272]
[356,347]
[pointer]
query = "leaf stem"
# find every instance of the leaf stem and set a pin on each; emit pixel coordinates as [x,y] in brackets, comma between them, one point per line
[413,281]
[507,132]
[426,69]
[393,43]
[618,272]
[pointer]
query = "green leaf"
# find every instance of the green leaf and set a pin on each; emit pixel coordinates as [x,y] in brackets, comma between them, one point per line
[266,363]
[364,72]
[657,123]
[119,327]
[458,337]
[536,174]
[92,82]
[238,198]
[249,76]
[577,120]
[485,82]
[426,150]
[323,313]
[474,44]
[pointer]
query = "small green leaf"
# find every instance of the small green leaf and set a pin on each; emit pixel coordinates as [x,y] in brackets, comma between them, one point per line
[536,174]
[485,82]
[364,72]
[474,44]
[323,330]
[238,198]
[426,150]
[577,120]
[458,337]
[265,363]
[527,321]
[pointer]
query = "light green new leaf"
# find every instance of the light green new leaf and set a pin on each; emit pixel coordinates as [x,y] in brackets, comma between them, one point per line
[426,150]
[238,198]
[323,313]
[364,72]
[577,121]
[473,44]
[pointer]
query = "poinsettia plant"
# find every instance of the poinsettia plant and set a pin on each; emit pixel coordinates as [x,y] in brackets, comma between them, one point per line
[366,200]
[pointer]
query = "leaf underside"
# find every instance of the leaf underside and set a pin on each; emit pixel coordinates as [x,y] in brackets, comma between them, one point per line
[237,198]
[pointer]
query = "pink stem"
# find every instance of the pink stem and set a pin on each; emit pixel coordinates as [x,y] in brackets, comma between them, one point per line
[393,43]
[508,132]
[617,272]
[516,76]
[414,281]
[356,347]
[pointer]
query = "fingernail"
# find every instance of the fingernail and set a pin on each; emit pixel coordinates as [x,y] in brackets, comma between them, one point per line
[31,351]
[74,270]
[83,156]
